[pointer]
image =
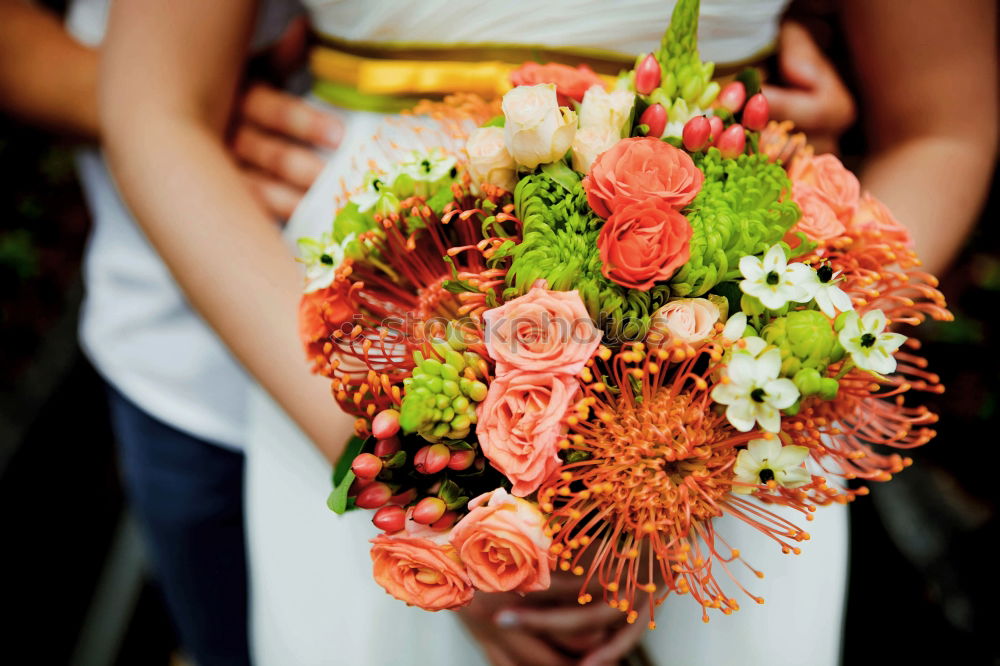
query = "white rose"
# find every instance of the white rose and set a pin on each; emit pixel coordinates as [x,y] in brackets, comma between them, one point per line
[689,320]
[590,142]
[536,129]
[489,160]
[603,109]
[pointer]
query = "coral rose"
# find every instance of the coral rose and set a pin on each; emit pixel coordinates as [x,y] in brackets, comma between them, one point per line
[489,161]
[542,331]
[643,243]
[641,169]
[570,82]
[838,187]
[536,129]
[818,221]
[520,425]
[503,544]
[421,572]
[689,320]
[874,216]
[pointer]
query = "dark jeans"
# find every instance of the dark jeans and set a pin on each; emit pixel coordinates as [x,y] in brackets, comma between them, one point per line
[187,495]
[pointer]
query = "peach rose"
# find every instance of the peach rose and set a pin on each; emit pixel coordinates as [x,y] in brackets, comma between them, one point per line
[818,221]
[690,320]
[542,331]
[503,544]
[489,161]
[874,216]
[641,169]
[835,184]
[570,82]
[642,243]
[421,572]
[520,425]
[536,129]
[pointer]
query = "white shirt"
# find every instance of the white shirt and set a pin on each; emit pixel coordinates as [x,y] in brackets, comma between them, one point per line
[136,326]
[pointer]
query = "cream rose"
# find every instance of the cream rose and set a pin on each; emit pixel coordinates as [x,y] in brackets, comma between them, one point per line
[489,160]
[606,110]
[589,143]
[689,320]
[536,129]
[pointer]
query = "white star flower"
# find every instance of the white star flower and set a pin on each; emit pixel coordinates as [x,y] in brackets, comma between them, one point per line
[425,170]
[322,256]
[735,327]
[775,282]
[377,186]
[767,460]
[830,298]
[752,390]
[870,347]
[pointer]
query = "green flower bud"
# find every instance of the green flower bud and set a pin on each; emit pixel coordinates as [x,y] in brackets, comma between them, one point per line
[806,340]
[828,388]
[808,381]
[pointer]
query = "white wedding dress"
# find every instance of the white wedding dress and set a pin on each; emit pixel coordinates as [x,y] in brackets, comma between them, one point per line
[313,598]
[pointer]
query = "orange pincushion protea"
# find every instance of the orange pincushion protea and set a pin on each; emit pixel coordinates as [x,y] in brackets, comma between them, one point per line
[650,467]
[400,300]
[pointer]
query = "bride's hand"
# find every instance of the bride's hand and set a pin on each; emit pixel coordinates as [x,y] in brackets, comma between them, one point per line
[274,138]
[551,627]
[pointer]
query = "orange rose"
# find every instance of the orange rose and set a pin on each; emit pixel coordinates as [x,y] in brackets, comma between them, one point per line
[571,82]
[874,216]
[818,221]
[520,425]
[838,187]
[503,544]
[642,243]
[542,331]
[420,572]
[638,170]
[320,313]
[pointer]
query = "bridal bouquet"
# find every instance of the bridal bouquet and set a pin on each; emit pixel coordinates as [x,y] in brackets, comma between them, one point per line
[620,311]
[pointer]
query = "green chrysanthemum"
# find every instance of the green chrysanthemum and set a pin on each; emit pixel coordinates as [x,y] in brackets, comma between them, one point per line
[739,211]
[559,245]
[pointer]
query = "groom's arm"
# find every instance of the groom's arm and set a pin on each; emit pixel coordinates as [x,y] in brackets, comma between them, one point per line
[169,75]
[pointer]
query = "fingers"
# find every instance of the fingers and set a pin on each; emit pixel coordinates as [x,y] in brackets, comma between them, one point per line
[279,199]
[290,116]
[561,619]
[619,645]
[519,649]
[292,163]
[801,61]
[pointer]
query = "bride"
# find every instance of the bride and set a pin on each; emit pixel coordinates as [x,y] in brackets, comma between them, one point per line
[168,76]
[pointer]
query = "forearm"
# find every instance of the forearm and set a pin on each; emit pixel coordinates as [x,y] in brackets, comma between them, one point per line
[226,254]
[936,186]
[46,77]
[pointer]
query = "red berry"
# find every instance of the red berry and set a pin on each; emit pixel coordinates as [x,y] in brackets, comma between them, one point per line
[366,466]
[387,447]
[732,142]
[429,510]
[374,496]
[461,460]
[655,117]
[432,459]
[404,498]
[696,133]
[390,518]
[446,521]
[732,96]
[715,123]
[756,113]
[385,424]
[357,486]
[647,75]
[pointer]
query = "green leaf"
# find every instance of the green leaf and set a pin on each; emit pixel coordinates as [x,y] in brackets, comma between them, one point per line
[495,121]
[343,477]
[750,78]
[561,174]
